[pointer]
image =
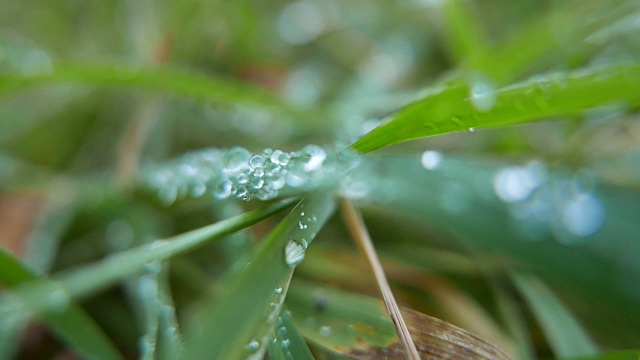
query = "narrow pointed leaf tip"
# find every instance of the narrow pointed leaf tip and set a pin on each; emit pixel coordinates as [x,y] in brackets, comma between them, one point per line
[467,106]
[239,322]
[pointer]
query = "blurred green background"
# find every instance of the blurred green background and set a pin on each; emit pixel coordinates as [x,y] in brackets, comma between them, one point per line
[525,233]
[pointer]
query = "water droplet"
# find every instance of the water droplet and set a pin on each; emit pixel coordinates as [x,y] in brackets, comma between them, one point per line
[236,159]
[431,159]
[583,215]
[222,190]
[302,225]
[325,331]
[472,129]
[285,344]
[168,194]
[242,178]
[516,183]
[279,157]
[295,180]
[197,190]
[278,291]
[253,345]
[271,169]
[293,253]
[316,157]
[283,331]
[257,182]
[483,95]
[256,161]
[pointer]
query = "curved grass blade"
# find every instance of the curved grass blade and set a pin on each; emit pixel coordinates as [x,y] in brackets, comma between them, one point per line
[71,323]
[563,332]
[358,327]
[588,268]
[85,281]
[165,79]
[466,36]
[239,323]
[557,95]
[287,342]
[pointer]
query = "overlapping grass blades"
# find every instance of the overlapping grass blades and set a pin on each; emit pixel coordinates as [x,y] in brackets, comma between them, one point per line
[466,106]
[239,323]
[70,322]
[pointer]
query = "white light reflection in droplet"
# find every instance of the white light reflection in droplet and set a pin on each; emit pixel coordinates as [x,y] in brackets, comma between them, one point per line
[583,215]
[517,183]
[431,159]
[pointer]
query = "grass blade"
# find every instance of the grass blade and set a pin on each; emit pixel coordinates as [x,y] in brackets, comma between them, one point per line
[240,323]
[84,281]
[541,98]
[70,322]
[287,342]
[358,327]
[363,240]
[466,35]
[563,332]
[165,79]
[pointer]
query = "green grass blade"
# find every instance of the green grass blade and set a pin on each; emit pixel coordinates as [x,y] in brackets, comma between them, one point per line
[164,79]
[89,279]
[239,323]
[466,36]
[556,95]
[287,342]
[70,322]
[563,332]
[358,326]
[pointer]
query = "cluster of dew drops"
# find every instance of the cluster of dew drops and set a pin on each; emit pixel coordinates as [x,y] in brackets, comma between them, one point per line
[236,172]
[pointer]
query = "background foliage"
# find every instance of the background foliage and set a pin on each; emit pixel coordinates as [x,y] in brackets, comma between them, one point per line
[122,238]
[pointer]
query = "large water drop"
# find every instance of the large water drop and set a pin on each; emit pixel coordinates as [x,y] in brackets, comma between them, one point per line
[293,253]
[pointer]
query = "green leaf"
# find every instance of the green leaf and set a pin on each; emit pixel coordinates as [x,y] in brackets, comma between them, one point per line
[556,95]
[462,190]
[239,323]
[89,279]
[357,326]
[466,36]
[164,79]
[287,342]
[71,322]
[563,332]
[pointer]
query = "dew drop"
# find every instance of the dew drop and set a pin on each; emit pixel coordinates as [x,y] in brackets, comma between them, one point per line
[242,178]
[278,291]
[280,158]
[472,129]
[583,216]
[285,344]
[316,157]
[431,159]
[483,96]
[257,182]
[256,161]
[325,331]
[197,190]
[236,159]
[222,190]
[302,225]
[283,331]
[168,194]
[293,253]
[253,346]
